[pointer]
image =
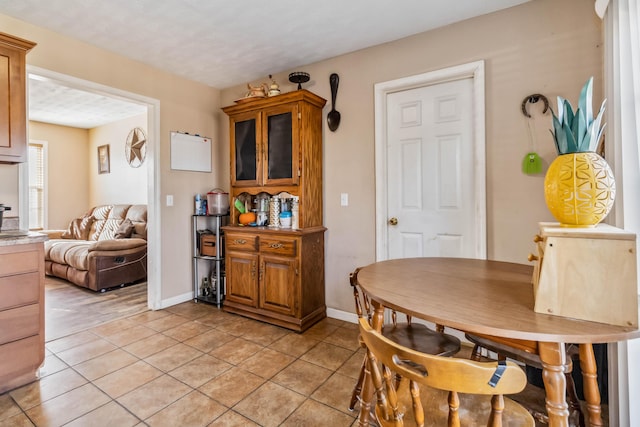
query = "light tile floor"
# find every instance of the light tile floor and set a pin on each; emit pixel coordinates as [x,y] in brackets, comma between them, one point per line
[192,365]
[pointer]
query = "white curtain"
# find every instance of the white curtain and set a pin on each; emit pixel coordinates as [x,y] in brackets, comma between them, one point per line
[622,90]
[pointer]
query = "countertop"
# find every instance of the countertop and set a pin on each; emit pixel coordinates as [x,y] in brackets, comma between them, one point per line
[20,237]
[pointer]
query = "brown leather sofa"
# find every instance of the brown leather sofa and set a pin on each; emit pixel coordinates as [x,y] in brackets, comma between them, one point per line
[104,248]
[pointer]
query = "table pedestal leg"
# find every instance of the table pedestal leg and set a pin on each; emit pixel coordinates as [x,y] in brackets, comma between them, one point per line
[367,386]
[554,365]
[590,384]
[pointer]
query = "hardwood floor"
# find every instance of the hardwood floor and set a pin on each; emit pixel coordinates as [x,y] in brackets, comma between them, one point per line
[70,308]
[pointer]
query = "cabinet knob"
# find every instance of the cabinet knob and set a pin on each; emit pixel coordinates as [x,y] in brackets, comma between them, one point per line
[532,257]
[239,241]
[276,246]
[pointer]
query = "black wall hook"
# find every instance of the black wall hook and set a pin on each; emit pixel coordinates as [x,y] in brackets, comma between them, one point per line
[533,99]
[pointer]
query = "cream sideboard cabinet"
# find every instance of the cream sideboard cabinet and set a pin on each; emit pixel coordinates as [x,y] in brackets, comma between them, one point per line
[275,274]
[21,313]
[13,106]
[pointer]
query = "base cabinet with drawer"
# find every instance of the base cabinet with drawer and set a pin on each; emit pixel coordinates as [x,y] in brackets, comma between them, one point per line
[21,313]
[276,276]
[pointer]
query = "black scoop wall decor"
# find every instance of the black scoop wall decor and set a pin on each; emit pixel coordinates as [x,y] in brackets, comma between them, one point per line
[333,118]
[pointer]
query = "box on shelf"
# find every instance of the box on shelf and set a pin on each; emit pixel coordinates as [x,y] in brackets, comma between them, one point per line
[208,245]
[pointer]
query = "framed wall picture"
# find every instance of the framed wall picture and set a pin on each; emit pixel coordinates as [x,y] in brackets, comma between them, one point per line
[103,159]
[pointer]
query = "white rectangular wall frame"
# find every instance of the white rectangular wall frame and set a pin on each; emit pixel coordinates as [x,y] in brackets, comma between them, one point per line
[190,152]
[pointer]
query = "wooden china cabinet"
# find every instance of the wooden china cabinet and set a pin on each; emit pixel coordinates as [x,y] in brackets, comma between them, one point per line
[276,274]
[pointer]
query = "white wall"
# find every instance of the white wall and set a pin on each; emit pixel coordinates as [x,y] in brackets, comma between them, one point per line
[67,171]
[123,184]
[183,105]
[546,46]
[73,182]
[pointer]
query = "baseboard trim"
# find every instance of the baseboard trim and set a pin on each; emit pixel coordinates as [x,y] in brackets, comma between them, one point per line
[331,312]
[178,299]
[342,315]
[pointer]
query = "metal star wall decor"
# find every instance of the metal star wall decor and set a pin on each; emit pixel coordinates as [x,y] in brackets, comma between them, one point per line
[136,147]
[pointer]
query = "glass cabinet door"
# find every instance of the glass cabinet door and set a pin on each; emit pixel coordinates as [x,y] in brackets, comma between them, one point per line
[245,158]
[280,129]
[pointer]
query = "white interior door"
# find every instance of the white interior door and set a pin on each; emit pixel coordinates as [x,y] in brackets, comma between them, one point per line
[433,205]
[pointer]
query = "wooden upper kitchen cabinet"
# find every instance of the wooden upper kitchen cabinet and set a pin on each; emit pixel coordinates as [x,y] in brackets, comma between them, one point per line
[13,94]
[277,274]
[276,146]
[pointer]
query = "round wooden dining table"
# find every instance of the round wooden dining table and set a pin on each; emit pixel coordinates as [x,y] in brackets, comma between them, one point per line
[489,298]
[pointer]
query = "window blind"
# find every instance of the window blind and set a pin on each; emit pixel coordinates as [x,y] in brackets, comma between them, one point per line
[36,186]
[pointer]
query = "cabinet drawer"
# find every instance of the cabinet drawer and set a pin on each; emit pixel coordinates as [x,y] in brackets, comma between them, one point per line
[18,290]
[241,242]
[18,359]
[19,261]
[19,323]
[279,246]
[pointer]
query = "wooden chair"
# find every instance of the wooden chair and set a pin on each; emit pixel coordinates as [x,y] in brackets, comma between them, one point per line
[450,374]
[415,336]
[527,352]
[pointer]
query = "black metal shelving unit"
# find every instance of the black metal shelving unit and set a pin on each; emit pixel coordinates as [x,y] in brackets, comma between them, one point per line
[213,265]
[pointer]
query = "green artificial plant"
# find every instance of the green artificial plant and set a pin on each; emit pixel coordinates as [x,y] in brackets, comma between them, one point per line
[577,132]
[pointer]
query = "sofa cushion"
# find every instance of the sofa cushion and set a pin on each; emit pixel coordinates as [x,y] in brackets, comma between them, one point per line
[115,216]
[138,216]
[109,228]
[79,228]
[125,230]
[70,252]
[100,215]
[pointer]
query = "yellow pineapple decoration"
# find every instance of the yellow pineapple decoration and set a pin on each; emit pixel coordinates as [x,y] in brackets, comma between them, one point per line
[579,187]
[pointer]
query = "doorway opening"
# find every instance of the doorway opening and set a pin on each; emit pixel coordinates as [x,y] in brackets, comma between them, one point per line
[153,166]
[476,213]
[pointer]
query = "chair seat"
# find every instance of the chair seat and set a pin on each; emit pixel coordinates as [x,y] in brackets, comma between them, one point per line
[439,389]
[515,349]
[527,352]
[422,339]
[475,409]
[415,336]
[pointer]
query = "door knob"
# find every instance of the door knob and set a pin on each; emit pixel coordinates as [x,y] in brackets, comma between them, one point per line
[393,221]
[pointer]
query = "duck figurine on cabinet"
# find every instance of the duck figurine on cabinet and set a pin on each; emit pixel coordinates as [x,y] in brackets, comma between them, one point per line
[259,91]
[274,88]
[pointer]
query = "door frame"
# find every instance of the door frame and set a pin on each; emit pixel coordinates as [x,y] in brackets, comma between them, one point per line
[473,70]
[154,236]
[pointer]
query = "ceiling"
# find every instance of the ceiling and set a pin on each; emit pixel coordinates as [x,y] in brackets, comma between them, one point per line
[53,102]
[224,43]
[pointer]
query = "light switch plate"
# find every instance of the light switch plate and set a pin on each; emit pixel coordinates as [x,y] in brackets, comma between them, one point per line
[344,199]
[169,200]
